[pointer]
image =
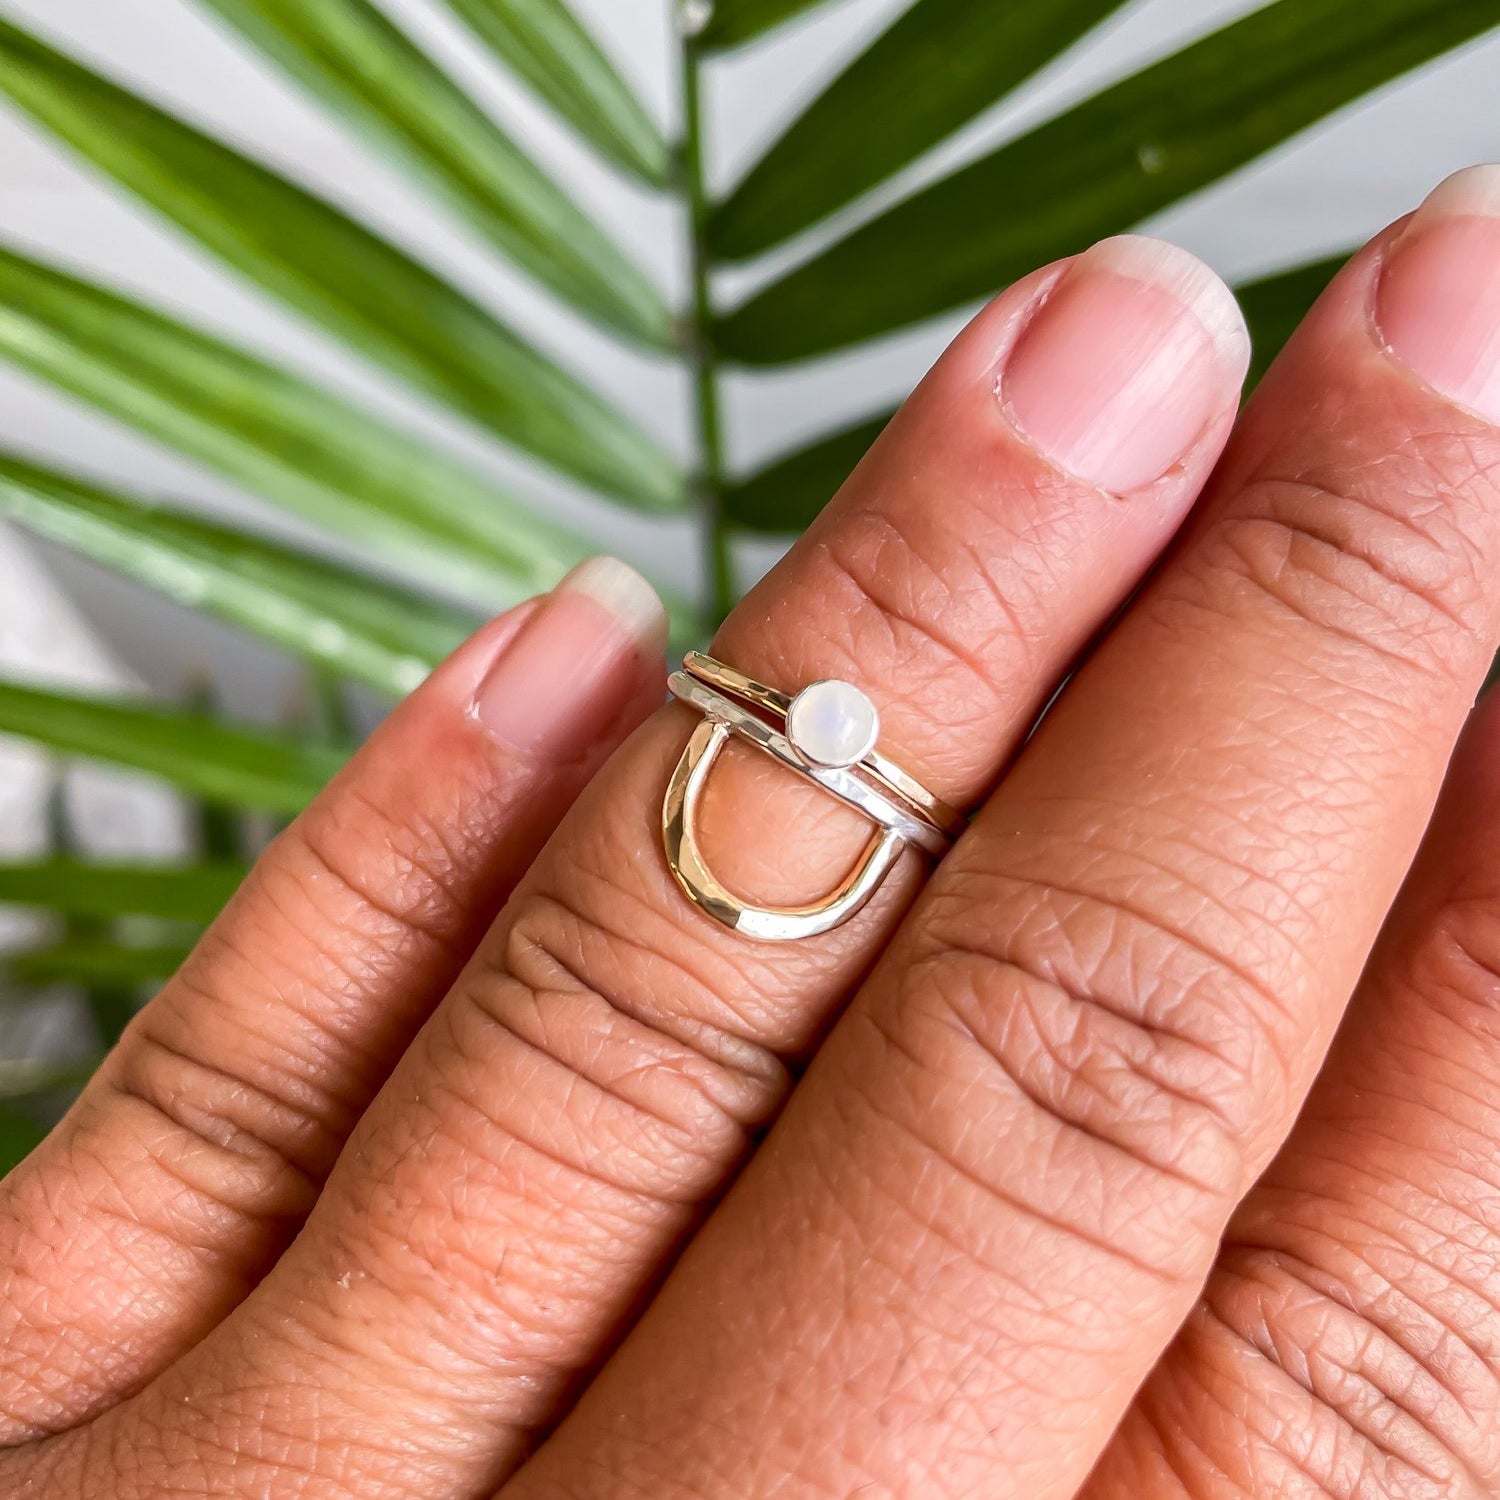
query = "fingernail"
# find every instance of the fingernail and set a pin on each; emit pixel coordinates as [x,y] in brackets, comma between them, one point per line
[1134,353]
[562,683]
[1438,304]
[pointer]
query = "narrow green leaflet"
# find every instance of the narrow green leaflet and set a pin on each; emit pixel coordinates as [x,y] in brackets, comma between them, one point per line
[94,961]
[219,831]
[336,618]
[1276,305]
[186,893]
[330,268]
[110,1004]
[26,1077]
[353,56]
[19,1137]
[941,63]
[1101,167]
[734,22]
[279,436]
[785,496]
[544,43]
[255,768]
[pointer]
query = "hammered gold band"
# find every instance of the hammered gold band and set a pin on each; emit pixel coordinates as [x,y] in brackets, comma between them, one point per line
[826,735]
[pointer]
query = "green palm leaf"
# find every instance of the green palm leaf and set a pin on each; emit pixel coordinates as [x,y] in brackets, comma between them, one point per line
[1275,305]
[94,961]
[19,1137]
[187,893]
[253,768]
[939,65]
[786,495]
[324,264]
[332,617]
[1102,166]
[735,22]
[24,1078]
[545,44]
[350,54]
[279,436]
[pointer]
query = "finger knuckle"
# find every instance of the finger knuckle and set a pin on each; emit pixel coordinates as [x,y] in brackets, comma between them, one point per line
[1348,1370]
[244,1138]
[1397,572]
[318,930]
[582,1062]
[955,644]
[1132,1045]
[647,1088]
[331,916]
[1455,970]
[907,584]
[357,874]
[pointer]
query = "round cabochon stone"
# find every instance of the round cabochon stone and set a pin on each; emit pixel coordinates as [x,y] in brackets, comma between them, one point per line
[833,724]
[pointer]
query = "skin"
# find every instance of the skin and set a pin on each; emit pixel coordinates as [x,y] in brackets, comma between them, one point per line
[466,1159]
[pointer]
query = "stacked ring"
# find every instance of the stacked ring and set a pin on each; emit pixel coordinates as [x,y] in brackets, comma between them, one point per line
[827,734]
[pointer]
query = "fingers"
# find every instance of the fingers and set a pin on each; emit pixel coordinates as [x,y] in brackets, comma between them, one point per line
[1000,1187]
[192,1156]
[1349,1338]
[600,1068]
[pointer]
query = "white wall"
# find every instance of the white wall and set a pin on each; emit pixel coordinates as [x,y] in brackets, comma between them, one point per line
[1335,186]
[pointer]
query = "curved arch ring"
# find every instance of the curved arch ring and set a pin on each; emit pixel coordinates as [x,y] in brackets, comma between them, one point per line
[825,734]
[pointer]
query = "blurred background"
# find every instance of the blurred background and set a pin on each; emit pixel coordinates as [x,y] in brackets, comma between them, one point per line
[1329,189]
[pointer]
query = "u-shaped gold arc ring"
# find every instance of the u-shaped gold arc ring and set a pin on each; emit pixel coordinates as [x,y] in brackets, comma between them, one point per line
[898,820]
[704,889]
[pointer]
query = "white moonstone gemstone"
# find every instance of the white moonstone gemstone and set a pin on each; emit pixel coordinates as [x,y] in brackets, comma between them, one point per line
[832,724]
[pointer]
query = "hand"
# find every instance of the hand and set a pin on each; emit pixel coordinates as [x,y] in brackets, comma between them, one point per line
[1050,1210]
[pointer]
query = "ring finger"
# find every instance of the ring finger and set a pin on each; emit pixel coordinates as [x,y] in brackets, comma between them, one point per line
[1348,1341]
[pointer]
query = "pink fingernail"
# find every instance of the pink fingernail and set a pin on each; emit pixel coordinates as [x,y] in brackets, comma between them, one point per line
[1134,353]
[562,683]
[1438,306]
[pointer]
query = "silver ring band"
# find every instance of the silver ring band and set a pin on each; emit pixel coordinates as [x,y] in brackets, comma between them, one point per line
[875,804]
[778,706]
